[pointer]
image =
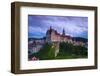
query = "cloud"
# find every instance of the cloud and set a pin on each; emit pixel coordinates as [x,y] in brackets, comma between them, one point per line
[74,26]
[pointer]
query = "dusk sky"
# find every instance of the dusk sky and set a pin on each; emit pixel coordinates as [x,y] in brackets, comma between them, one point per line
[73,25]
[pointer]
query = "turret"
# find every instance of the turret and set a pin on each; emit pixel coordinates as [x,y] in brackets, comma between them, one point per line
[63,33]
[50,28]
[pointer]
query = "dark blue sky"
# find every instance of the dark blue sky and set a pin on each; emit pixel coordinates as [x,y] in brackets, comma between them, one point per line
[73,25]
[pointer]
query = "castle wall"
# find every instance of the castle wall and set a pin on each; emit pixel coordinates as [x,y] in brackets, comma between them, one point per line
[55,38]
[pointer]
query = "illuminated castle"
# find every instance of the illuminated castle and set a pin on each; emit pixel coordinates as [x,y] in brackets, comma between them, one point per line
[53,36]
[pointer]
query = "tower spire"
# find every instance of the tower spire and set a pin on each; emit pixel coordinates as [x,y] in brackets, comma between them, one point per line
[63,33]
[50,27]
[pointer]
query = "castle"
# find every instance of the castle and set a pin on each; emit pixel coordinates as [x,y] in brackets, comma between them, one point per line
[53,36]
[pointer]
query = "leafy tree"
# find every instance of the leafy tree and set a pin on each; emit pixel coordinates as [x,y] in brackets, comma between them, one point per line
[46,52]
[75,51]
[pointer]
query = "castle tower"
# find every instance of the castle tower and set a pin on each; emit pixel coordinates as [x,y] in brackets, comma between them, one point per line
[50,27]
[48,34]
[63,33]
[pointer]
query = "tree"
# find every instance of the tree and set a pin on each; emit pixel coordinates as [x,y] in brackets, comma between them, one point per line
[46,52]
